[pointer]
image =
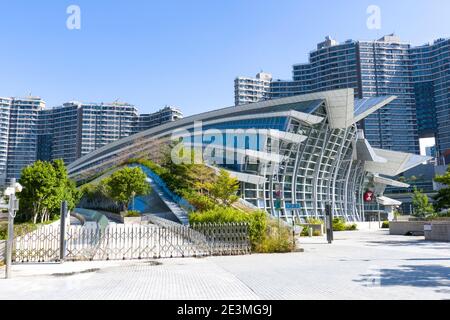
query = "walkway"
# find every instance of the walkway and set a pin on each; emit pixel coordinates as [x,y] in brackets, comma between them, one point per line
[359,265]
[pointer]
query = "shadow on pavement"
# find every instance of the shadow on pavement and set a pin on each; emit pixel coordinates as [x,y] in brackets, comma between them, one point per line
[410,243]
[407,275]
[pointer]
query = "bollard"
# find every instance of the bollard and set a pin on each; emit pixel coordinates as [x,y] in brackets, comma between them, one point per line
[329,221]
[62,242]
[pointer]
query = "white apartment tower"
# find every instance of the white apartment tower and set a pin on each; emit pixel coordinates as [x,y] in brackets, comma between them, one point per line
[19,122]
[250,90]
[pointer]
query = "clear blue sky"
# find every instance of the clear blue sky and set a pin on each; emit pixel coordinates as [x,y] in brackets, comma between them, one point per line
[186,53]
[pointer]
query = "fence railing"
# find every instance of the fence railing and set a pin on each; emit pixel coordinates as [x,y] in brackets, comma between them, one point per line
[192,236]
[41,245]
[159,239]
[120,242]
[2,250]
[226,238]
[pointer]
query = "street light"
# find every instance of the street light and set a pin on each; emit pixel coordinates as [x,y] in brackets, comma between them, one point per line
[12,206]
[133,194]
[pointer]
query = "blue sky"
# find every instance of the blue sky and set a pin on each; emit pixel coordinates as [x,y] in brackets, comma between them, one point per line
[185,53]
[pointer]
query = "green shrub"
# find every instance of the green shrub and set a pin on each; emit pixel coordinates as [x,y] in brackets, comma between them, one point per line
[266,234]
[314,221]
[160,171]
[201,202]
[305,232]
[24,228]
[132,214]
[21,229]
[3,231]
[441,215]
[339,224]
[277,239]
[257,220]
[385,225]
[351,227]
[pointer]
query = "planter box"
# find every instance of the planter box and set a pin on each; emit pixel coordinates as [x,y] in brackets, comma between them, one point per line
[437,231]
[132,220]
[402,228]
[315,227]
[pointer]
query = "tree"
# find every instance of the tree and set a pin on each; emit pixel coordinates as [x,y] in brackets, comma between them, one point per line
[422,206]
[64,190]
[46,185]
[38,181]
[126,183]
[201,178]
[442,199]
[225,188]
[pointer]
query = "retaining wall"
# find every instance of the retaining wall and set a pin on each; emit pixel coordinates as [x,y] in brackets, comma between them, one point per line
[401,228]
[438,231]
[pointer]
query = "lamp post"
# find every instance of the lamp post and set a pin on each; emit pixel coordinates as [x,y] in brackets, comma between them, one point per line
[12,207]
[133,194]
[378,210]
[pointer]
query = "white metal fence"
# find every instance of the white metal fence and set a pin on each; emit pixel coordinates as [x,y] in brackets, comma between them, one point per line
[160,239]
[2,250]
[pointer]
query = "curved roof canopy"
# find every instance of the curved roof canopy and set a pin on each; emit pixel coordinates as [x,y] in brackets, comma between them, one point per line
[343,111]
[397,162]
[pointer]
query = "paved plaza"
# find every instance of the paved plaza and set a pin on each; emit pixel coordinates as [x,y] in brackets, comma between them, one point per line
[359,265]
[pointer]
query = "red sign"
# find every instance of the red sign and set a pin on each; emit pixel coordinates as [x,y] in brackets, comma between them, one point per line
[369,196]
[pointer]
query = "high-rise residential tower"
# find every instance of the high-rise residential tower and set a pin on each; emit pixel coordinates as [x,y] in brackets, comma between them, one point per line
[371,69]
[150,120]
[5,106]
[386,69]
[28,132]
[19,121]
[250,90]
[431,75]
[74,129]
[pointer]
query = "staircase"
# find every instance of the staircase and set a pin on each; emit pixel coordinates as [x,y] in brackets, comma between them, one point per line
[177,205]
